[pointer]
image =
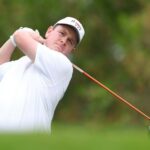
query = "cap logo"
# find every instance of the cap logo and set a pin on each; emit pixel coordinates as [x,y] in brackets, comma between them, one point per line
[76,24]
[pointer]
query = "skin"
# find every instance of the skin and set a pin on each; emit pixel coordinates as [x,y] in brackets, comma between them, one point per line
[6,51]
[61,38]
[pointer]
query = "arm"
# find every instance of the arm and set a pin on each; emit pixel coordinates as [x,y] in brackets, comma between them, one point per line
[6,51]
[27,40]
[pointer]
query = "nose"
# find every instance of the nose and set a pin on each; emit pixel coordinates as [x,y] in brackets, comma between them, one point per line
[63,40]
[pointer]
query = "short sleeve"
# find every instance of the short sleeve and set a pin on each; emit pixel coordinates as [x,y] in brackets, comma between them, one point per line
[4,68]
[53,64]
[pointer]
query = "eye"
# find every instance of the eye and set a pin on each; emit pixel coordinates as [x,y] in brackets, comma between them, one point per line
[70,41]
[61,33]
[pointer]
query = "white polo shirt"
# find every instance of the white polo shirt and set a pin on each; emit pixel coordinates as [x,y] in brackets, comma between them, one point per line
[30,92]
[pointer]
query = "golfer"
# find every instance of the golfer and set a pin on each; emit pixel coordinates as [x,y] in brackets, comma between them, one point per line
[32,86]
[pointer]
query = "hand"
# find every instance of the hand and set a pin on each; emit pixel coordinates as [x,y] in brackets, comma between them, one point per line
[39,37]
[35,34]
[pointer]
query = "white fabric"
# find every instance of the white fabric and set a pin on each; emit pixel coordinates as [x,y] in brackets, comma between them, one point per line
[30,92]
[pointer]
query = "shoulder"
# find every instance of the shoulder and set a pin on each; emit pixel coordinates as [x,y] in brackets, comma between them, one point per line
[49,59]
[52,55]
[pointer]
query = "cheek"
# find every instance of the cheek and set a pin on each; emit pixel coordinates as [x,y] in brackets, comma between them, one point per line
[51,38]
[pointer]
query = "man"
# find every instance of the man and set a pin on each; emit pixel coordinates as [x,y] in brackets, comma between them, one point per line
[31,87]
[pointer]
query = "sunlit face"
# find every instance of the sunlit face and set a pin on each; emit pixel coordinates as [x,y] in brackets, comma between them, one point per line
[61,38]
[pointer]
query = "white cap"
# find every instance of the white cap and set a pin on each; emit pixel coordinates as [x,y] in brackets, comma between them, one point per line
[75,24]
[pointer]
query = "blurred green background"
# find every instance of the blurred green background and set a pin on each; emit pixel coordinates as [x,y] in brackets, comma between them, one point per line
[115,50]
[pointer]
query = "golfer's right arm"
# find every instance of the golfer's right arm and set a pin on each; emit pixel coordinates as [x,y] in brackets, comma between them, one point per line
[6,51]
[27,40]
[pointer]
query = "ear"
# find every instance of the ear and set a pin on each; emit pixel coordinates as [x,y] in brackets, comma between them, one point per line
[50,28]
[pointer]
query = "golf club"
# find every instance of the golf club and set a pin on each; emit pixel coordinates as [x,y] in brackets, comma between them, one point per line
[111,92]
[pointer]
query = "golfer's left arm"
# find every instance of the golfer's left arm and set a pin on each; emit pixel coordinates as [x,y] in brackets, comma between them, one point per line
[6,51]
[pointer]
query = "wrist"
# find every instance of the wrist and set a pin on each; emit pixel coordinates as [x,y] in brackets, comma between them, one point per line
[13,40]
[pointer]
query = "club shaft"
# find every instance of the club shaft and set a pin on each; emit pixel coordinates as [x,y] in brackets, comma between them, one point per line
[111,92]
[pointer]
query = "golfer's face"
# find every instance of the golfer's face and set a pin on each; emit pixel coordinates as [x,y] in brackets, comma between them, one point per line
[62,38]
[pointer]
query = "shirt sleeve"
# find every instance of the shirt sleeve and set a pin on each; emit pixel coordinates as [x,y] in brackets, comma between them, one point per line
[4,68]
[55,65]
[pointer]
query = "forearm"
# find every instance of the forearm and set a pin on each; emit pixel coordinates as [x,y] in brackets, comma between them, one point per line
[26,40]
[6,51]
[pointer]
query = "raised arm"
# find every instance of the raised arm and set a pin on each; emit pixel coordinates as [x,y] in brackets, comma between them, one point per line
[27,40]
[6,51]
